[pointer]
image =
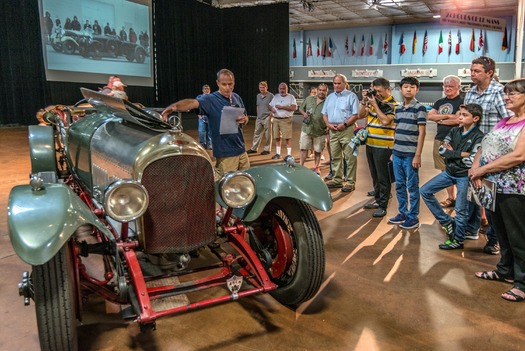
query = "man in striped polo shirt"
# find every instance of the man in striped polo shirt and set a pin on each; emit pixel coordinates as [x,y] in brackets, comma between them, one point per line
[378,106]
[410,120]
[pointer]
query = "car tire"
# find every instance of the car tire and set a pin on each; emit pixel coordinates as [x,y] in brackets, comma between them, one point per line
[57,47]
[290,233]
[96,50]
[69,47]
[140,55]
[54,296]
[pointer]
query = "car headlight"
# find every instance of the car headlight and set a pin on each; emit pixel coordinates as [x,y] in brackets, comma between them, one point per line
[237,189]
[125,201]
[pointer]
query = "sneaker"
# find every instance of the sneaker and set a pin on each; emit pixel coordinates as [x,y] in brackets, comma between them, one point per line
[329,176]
[317,171]
[410,223]
[310,155]
[492,248]
[265,152]
[471,236]
[450,229]
[251,152]
[332,184]
[371,206]
[371,193]
[400,218]
[451,245]
[348,188]
[276,156]
[380,212]
[322,157]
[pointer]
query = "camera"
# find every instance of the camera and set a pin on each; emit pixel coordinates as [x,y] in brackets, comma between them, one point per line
[370,93]
[307,119]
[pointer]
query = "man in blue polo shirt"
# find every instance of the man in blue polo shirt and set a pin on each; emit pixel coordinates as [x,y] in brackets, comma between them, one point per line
[228,149]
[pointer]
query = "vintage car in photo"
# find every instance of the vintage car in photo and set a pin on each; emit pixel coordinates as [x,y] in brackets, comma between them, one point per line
[128,207]
[93,46]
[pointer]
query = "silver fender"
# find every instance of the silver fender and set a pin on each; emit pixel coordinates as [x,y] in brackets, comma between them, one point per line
[41,222]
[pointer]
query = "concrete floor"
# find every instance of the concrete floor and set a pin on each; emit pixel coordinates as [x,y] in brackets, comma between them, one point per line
[385,288]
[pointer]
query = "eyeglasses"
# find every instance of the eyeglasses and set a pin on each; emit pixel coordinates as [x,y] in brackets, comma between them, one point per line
[450,87]
[513,93]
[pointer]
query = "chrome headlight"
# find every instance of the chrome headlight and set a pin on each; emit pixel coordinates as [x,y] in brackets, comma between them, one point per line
[125,201]
[237,189]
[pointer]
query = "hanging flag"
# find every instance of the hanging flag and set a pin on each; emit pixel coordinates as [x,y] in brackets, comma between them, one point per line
[504,43]
[329,46]
[354,50]
[294,51]
[449,42]
[371,50]
[309,49]
[347,49]
[414,42]
[440,42]
[458,43]
[318,50]
[425,43]
[323,51]
[363,45]
[385,45]
[481,43]
[402,47]
[472,41]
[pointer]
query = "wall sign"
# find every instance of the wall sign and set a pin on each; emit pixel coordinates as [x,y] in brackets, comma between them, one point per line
[452,18]
[465,72]
[321,74]
[419,72]
[366,73]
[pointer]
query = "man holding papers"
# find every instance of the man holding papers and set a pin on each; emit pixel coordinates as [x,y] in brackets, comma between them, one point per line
[226,114]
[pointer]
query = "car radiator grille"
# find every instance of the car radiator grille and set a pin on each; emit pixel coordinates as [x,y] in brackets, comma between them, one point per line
[181,212]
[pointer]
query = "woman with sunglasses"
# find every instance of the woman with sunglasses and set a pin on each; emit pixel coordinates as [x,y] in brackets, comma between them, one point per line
[501,159]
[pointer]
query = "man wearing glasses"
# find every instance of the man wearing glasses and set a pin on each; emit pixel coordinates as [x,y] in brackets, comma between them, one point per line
[443,112]
[488,93]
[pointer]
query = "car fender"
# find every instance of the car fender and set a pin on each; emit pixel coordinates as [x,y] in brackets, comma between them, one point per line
[280,180]
[41,221]
[66,38]
[42,149]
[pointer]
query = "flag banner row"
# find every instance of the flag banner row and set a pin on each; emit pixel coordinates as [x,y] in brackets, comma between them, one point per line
[326,46]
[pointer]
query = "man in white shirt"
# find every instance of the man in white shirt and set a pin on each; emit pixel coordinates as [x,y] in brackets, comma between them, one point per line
[282,107]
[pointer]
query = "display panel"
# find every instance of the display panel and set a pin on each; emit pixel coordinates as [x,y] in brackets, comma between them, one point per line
[86,41]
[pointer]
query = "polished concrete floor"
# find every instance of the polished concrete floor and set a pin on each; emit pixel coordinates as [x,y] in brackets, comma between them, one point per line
[385,288]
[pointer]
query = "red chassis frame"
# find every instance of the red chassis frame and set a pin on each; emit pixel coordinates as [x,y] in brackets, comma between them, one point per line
[249,266]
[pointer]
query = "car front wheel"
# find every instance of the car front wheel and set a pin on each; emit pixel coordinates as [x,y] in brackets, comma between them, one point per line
[55,302]
[289,233]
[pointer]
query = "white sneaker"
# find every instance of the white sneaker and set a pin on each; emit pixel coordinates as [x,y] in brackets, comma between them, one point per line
[322,157]
[470,236]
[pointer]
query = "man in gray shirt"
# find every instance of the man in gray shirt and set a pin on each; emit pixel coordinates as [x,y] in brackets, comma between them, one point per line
[262,124]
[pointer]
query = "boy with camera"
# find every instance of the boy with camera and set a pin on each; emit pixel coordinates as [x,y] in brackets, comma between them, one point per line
[459,148]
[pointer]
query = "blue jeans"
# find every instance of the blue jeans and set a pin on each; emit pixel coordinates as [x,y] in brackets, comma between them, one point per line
[407,178]
[204,132]
[468,216]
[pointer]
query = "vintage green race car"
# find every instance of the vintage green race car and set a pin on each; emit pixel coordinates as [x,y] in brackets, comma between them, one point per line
[127,206]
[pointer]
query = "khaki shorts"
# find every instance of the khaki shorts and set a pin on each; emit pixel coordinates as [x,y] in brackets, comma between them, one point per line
[232,163]
[439,161]
[282,128]
[309,142]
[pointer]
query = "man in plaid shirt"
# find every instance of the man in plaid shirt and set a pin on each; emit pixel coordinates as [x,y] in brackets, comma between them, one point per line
[488,93]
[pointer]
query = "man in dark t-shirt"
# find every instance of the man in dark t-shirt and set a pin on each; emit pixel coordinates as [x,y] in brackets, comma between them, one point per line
[228,147]
[443,112]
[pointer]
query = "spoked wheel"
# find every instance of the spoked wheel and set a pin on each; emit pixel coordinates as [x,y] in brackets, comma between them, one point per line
[54,296]
[289,231]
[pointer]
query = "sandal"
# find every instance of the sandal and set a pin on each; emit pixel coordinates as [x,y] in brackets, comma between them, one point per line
[448,203]
[513,296]
[492,275]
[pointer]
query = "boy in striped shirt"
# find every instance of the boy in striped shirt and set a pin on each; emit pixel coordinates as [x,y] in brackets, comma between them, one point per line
[410,120]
